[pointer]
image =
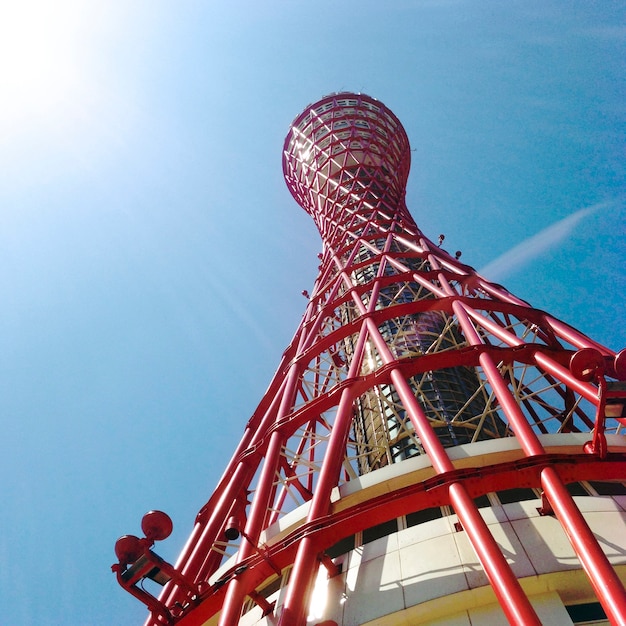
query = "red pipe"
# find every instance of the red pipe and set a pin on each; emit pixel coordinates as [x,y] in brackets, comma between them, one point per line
[588,391]
[513,600]
[606,583]
[304,570]
[608,587]
[576,338]
[236,592]
[509,592]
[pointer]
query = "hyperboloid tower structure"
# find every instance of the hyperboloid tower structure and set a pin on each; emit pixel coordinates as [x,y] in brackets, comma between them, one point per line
[432,449]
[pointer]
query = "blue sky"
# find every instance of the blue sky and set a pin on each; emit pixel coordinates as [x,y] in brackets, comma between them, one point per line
[152,259]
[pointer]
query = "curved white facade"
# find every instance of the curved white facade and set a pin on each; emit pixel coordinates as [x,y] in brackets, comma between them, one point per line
[428,573]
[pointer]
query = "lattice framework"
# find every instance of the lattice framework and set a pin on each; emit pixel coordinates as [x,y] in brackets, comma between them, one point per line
[403,350]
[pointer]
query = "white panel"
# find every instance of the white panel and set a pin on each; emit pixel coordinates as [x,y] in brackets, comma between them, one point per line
[546,544]
[493,514]
[431,569]
[596,503]
[423,532]
[380,546]
[521,510]
[620,501]
[511,548]
[610,530]
[373,589]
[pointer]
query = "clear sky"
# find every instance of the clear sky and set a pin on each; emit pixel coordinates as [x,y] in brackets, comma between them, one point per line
[152,259]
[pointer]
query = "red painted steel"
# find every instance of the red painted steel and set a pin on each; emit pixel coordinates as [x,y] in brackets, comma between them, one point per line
[403,350]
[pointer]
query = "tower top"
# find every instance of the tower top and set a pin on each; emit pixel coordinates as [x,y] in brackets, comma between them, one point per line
[342,146]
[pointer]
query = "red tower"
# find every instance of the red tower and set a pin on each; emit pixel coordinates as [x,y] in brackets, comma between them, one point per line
[430,448]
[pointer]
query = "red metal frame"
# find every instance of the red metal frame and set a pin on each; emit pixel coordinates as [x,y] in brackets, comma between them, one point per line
[346,161]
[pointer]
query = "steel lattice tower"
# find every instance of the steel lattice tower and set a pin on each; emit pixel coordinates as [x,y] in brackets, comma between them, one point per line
[415,403]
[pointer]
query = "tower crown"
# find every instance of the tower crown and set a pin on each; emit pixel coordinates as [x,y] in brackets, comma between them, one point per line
[346,147]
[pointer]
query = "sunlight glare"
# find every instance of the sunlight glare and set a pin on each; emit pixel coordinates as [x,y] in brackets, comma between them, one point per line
[319,597]
[39,57]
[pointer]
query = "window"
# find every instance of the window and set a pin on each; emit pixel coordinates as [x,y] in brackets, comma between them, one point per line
[482,501]
[516,495]
[341,547]
[426,515]
[576,489]
[591,613]
[608,489]
[382,530]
